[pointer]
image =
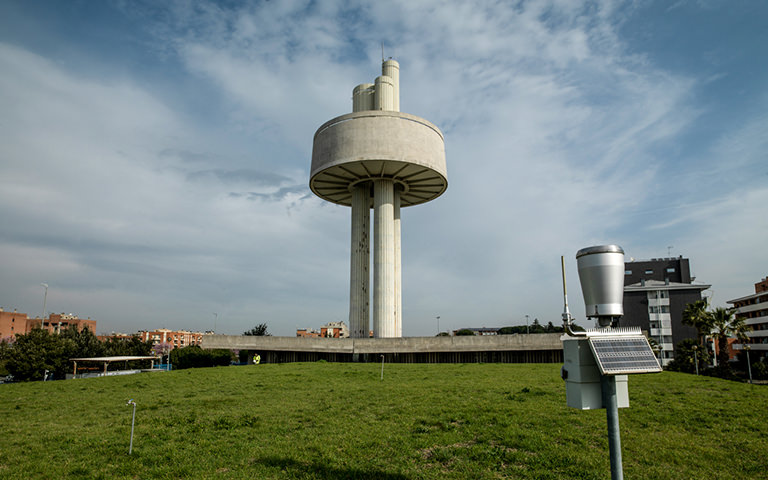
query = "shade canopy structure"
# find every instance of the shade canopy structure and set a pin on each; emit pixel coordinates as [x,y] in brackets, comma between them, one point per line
[107,360]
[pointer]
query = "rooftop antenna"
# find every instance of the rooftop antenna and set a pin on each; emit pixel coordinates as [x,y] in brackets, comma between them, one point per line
[382,51]
[669,250]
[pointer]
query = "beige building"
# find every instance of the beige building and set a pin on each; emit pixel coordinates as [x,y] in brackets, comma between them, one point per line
[176,338]
[12,323]
[754,310]
[329,330]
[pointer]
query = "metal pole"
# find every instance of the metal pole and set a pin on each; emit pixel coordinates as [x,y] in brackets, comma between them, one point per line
[527,330]
[133,420]
[382,367]
[45,300]
[438,325]
[696,361]
[749,365]
[608,384]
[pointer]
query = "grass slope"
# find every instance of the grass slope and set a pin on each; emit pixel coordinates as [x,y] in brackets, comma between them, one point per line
[335,421]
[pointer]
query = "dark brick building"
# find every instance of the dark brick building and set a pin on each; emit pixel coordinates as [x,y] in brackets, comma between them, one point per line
[656,292]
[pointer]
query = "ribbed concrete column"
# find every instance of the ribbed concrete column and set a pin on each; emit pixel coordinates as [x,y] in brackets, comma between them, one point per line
[398,269]
[383,259]
[360,259]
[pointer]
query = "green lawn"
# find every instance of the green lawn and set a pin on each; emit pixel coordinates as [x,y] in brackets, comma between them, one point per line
[423,421]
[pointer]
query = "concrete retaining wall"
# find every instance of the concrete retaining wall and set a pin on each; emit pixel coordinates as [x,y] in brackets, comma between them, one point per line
[544,346]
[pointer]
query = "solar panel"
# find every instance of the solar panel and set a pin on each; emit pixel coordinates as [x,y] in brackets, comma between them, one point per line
[623,355]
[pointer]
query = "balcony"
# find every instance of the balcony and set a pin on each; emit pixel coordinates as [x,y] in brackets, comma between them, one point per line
[756,320]
[752,308]
[755,347]
[657,302]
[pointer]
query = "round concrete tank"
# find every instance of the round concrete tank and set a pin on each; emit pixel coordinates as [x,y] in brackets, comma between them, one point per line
[362,97]
[364,146]
[384,98]
[601,273]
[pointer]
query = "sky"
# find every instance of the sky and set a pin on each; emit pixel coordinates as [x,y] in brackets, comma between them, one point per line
[154,156]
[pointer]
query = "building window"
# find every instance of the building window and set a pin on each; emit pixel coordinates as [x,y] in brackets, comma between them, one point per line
[649,272]
[671,270]
[627,272]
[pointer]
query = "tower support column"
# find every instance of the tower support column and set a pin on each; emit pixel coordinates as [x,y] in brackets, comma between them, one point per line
[360,258]
[383,258]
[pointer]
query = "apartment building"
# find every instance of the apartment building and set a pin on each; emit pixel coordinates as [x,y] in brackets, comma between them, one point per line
[176,338]
[754,310]
[12,323]
[656,292]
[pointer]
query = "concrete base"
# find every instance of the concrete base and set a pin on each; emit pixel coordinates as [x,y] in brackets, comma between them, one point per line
[537,342]
[540,348]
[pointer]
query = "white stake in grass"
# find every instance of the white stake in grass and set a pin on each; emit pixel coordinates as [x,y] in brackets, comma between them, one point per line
[133,420]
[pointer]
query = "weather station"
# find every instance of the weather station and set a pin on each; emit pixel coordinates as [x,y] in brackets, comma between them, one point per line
[596,362]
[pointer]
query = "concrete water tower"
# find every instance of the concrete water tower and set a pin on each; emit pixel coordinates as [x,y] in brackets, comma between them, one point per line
[377,157]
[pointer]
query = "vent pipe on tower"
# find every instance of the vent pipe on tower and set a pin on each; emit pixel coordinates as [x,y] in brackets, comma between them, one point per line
[391,69]
[362,97]
[384,96]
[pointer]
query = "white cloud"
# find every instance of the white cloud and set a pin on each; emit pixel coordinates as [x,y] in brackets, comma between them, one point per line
[558,136]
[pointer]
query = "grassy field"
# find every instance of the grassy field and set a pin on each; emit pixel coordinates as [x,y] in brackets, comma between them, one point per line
[332,421]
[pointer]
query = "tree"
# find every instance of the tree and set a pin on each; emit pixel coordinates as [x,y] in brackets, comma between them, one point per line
[134,346]
[536,327]
[195,357]
[686,354]
[162,348]
[465,332]
[511,330]
[696,315]
[34,353]
[726,325]
[6,349]
[259,330]
[81,343]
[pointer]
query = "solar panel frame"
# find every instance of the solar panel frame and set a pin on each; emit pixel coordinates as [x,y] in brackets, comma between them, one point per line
[622,355]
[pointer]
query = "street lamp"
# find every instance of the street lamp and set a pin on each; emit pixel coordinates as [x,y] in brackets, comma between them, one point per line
[438,324]
[696,359]
[527,329]
[45,300]
[215,320]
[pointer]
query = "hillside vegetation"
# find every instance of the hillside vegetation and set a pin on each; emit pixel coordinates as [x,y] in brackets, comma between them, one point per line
[332,421]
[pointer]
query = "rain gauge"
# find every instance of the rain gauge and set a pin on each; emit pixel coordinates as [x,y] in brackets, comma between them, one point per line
[596,362]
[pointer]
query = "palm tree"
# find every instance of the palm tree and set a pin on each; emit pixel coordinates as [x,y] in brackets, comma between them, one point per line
[696,315]
[726,326]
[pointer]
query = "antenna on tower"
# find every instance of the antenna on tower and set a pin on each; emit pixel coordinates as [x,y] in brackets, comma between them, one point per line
[382,52]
